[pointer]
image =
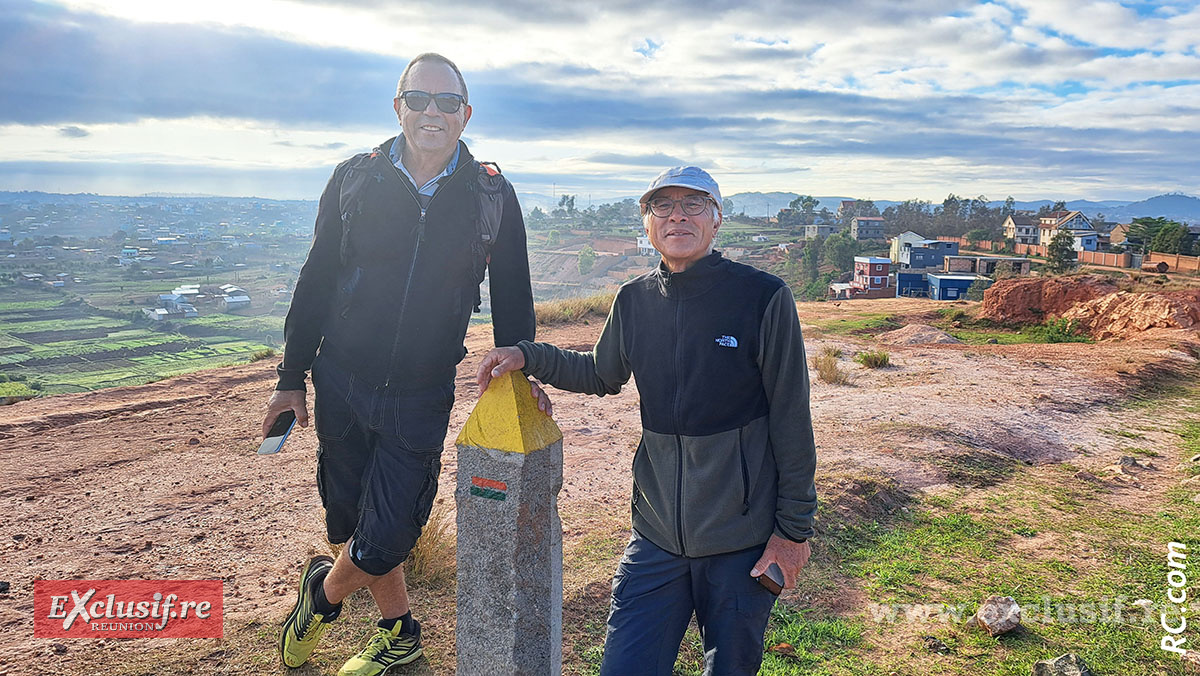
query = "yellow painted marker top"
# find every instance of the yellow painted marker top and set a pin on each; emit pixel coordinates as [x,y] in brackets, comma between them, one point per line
[507,419]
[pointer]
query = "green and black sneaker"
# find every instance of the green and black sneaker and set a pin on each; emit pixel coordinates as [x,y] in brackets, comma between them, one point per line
[304,625]
[387,648]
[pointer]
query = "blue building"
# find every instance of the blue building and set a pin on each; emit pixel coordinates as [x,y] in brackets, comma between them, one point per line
[926,253]
[948,286]
[911,284]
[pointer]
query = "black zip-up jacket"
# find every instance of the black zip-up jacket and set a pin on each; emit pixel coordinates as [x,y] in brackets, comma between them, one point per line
[727,454]
[388,287]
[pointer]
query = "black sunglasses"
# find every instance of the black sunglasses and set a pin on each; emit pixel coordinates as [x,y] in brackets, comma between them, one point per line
[417,100]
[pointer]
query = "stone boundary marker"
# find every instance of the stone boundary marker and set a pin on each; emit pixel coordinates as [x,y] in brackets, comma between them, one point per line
[510,469]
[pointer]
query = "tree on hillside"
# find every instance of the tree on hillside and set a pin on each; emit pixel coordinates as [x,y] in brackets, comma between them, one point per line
[1172,238]
[1009,208]
[977,235]
[810,261]
[913,215]
[727,207]
[859,208]
[537,216]
[587,259]
[566,207]
[949,218]
[1057,206]
[1060,254]
[839,251]
[805,204]
[1143,231]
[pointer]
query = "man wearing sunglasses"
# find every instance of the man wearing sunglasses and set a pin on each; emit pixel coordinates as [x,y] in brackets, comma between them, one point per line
[403,237]
[723,476]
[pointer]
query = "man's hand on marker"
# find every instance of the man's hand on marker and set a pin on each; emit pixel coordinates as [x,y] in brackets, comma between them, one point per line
[282,400]
[791,557]
[502,360]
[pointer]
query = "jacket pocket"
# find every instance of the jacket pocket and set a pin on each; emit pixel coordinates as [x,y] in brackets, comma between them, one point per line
[655,499]
[423,505]
[422,418]
[720,512]
[332,414]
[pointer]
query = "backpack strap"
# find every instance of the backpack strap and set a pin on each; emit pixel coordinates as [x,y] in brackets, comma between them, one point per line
[489,194]
[360,172]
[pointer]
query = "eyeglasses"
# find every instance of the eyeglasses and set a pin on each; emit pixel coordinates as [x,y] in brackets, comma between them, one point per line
[693,205]
[417,100]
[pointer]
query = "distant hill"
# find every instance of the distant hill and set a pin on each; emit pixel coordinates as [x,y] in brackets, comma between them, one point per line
[1088,207]
[36,197]
[1174,206]
[769,203]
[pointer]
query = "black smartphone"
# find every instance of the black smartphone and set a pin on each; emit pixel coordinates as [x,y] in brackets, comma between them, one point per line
[772,579]
[279,433]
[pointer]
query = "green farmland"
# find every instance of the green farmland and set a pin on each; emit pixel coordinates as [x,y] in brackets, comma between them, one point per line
[63,344]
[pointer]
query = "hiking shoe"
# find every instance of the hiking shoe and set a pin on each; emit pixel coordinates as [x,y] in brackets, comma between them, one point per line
[387,648]
[304,626]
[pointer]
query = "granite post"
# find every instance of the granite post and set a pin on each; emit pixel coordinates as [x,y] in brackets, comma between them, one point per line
[510,469]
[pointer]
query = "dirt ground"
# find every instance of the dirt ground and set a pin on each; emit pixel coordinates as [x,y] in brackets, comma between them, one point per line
[162,481]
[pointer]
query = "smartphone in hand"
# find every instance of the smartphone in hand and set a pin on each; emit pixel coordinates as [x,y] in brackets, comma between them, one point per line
[772,579]
[279,433]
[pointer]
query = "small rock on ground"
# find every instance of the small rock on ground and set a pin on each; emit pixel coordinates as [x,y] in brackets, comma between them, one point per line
[1063,665]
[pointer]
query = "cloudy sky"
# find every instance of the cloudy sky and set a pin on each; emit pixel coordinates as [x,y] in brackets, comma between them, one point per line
[1064,99]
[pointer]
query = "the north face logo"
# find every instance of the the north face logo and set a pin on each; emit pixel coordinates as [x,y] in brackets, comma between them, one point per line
[727,341]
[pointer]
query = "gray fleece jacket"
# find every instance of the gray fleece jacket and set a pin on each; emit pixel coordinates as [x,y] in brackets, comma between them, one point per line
[726,456]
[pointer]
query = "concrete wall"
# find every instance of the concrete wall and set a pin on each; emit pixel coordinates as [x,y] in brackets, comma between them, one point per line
[1113,260]
[1176,262]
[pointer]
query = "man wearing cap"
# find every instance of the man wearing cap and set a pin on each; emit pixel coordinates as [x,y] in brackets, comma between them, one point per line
[723,476]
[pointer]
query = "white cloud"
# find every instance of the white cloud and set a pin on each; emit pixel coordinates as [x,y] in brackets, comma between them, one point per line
[858,96]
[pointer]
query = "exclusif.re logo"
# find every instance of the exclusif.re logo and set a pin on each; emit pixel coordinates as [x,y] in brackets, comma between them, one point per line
[128,608]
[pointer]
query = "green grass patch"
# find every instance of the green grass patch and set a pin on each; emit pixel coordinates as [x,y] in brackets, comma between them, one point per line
[865,324]
[1125,434]
[1060,331]
[27,305]
[1145,452]
[980,331]
[797,644]
[921,546]
[16,389]
[981,337]
[873,359]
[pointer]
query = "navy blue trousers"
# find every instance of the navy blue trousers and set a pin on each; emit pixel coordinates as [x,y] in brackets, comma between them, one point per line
[655,594]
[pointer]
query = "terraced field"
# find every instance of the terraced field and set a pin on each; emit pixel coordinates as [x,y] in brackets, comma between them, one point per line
[61,345]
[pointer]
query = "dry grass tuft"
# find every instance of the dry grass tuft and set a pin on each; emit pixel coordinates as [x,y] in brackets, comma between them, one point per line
[826,365]
[573,309]
[431,563]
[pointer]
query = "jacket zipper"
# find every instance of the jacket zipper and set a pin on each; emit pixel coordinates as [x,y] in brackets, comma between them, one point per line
[678,437]
[412,266]
[745,475]
[679,496]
